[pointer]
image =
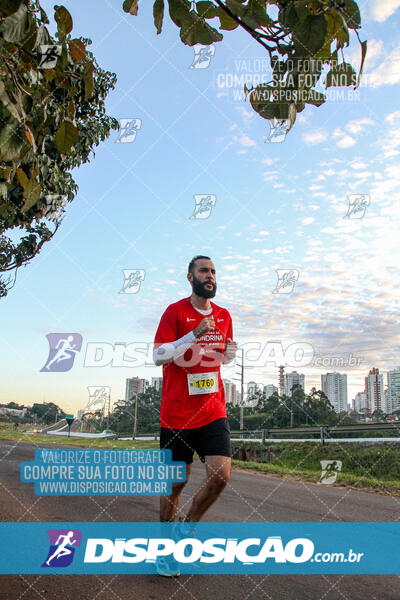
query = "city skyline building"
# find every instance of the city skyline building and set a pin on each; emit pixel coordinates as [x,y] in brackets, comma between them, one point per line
[393,395]
[334,386]
[374,391]
[135,385]
[292,379]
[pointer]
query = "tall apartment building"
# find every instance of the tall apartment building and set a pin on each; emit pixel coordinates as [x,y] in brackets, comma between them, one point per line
[135,385]
[291,379]
[269,389]
[374,391]
[156,382]
[393,395]
[334,386]
[360,402]
[230,392]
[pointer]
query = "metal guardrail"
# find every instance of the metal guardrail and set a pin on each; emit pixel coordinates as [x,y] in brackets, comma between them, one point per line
[323,431]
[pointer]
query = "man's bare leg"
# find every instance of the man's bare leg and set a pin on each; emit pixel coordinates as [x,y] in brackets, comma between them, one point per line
[218,472]
[169,504]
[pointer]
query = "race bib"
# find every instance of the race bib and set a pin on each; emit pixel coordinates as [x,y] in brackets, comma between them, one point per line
[203,383]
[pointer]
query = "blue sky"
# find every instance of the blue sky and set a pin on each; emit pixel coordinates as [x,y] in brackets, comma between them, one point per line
[278,206]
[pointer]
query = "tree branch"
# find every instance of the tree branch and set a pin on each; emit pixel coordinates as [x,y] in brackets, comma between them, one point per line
[257,36]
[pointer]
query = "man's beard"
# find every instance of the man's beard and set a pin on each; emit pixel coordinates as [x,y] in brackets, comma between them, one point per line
[200,290]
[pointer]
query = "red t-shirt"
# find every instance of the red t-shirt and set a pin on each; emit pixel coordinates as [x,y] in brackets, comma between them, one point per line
[192,390]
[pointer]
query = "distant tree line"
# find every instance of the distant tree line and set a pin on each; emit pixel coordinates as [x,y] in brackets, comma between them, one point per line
[44,413]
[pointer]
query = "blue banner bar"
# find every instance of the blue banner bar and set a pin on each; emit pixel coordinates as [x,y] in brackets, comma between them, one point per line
[205,548]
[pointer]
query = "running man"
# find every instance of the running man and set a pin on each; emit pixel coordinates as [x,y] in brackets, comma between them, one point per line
[62,550]
[193,338]
[64,347]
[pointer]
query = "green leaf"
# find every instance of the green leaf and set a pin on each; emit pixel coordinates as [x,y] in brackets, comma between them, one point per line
[351,13]
[9,7]
[309,36]
[227,23]
[42,37]
[29,40]
[38,118]
[22,178]
[255,15]
[16,26]
[130,6]
[341,75]
[290,15]
[31,194]
[179,11]
[342,35]
[207,9]
[195,30]
[88,79]
[63,19]
[314,97]
[363,55]
[10,106]
[158,14]
[12,139]
[260,96]
[66,136]
[236,7]
[4,172]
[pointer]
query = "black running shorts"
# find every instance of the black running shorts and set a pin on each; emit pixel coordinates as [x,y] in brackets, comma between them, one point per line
[213,439]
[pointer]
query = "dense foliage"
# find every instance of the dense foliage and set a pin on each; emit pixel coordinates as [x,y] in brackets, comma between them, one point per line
[52,114]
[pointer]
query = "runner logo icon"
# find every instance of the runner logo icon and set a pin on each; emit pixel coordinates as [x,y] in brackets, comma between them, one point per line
[63,347]
[62,547]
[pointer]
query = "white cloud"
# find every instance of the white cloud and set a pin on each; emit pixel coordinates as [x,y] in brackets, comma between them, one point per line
[356,165]
[315,137]
[383,9]
[247,115]
[387,72]
[358,126]
[244,140]
[374,52]
[344,140]
[392,117]
[308,220]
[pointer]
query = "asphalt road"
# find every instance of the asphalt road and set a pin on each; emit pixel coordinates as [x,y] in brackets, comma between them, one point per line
[248,497]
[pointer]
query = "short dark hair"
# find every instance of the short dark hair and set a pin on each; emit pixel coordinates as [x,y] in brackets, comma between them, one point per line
[191,264]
